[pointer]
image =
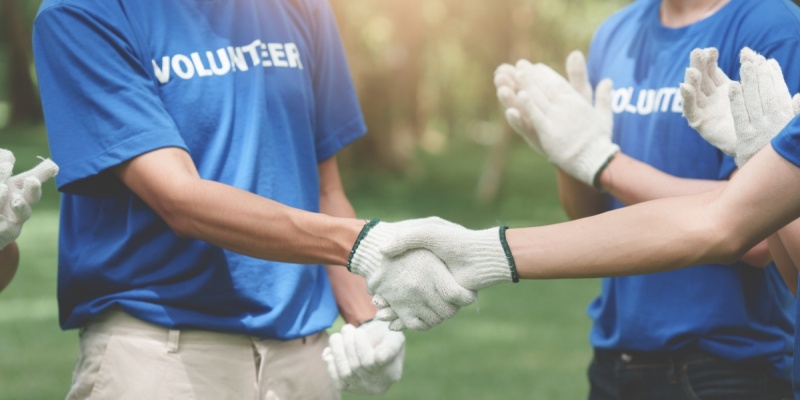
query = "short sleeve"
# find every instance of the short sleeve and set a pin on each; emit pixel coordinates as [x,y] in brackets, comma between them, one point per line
[101,108]
[338,114]
[787,142]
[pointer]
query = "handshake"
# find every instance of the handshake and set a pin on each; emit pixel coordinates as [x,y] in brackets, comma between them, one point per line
[423,271]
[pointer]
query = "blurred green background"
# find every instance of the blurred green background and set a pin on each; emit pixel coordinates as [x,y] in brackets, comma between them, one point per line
[437,146]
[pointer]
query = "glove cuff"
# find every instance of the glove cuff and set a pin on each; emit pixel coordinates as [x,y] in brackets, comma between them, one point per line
[596,158]
[492,260]
[363,250]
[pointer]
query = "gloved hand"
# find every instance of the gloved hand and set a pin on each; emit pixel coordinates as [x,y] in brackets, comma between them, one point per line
[573,135]
[707,104]
[761,104]
[366,360]
[507,88]
[18,193]
[477,259]
[416,284]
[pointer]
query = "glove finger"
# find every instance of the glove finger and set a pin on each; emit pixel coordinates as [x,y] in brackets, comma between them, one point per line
[43,171]
[602,101]
[4,193]
[31,190]
[778,82]
[795,106]
[7,156]
[455,295]
[751,91]
[397,325]
[689,96]
[349,341]
[364,349]
[327,356]
[504,69]
[577,76]
[413,323]
[507,97]
[21,209]
[336,344]
[390,348]
[505,79]
[385,314]
[536,107]
[379,301]
[738,106]
[5,171]
[748,55]
[715,75]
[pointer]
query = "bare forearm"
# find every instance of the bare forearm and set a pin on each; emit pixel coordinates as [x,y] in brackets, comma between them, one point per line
[232,218]
[717,226]
[631,182]
[578,199]
[350,290]
[9,261]
[783,262]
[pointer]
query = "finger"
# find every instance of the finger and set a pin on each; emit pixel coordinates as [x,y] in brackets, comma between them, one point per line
[43,171]
[577,76]
[455,294]
[385,314]
[5,171]
[397,325]
[717,77]
[349,341]
[536,106]
[31,190]
[602,98]
[21,209]
[795,106]
[3,195]
[7,157]
[778,81]
[748,55]
[738,106]
[390,348]
[330,364]
[336,344]
[504,69]
[751,91]
[379,301]
[507,97]
[364,349]
[689,96]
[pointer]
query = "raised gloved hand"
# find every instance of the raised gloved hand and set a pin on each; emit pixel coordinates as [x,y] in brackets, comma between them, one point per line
[761,104]
[366,360]
[708,105]
[18,193]
[573,135]
[415,283]
[477,259]
[506,84]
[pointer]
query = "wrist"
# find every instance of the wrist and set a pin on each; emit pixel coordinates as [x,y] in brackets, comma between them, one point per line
[603,177]
[358,243]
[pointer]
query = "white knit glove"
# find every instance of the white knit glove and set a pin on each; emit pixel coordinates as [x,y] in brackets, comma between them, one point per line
[506,84]
[415,283]
[574,136]
[761,104]
[477,259]
[18,193]
[366,360]
[706,105]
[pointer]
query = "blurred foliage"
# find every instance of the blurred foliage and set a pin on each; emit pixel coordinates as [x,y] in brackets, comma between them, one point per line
[423,69]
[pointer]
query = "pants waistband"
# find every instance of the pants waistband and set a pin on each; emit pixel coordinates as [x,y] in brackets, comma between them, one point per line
[654,357]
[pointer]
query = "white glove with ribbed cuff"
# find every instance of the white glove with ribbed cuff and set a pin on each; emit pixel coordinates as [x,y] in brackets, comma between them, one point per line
[415,283]
[706,105]
[708,102]
[761,104]
[366,360]
[18,193]
[477,259]
[575,136]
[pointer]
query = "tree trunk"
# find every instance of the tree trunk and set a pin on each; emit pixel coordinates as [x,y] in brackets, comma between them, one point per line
[23,97]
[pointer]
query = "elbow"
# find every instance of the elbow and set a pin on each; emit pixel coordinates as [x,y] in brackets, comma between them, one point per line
[175,212]
[727,247]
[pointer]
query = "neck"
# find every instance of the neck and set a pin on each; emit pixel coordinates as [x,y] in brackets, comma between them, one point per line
[680,13]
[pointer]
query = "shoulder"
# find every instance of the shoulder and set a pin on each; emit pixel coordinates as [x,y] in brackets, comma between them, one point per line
[765,21]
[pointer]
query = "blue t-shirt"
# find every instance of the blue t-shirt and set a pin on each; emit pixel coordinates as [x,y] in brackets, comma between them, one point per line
[787,145]
[257,92]
[734,311]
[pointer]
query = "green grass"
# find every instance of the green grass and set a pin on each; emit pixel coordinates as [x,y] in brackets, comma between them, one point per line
[524,341]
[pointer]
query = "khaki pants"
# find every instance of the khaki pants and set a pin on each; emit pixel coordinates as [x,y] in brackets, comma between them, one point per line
[122,357]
